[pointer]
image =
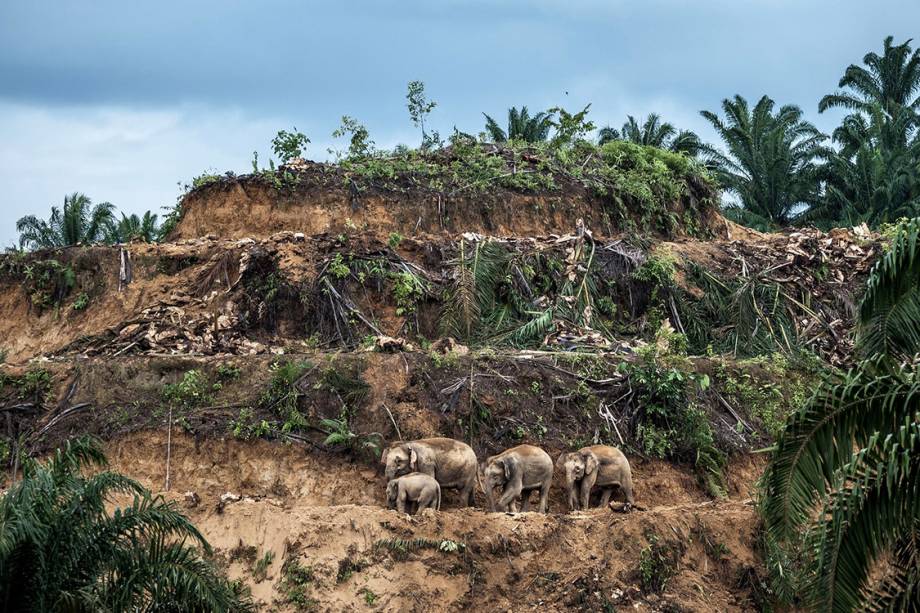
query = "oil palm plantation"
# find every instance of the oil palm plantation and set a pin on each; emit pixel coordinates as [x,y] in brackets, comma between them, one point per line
[521,126]
[653,132]
[132,227]
[770,162]
[79,221]
[875,175]
[841,502]
[61,550]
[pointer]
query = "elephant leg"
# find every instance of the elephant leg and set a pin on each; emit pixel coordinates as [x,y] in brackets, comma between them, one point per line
[544,496]
[401,502]
[466,493]
[509,498]
[525,500]
[605,496]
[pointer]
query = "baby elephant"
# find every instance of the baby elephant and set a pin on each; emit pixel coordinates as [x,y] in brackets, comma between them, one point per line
[416,488]
[598,465]
[518,471]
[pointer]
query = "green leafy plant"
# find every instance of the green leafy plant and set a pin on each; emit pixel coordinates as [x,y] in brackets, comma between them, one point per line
[359,143]
[289,145]
[840,492]
[260,568]
[81,302]
[296,585]
[419,108]
[282,394]
[136,557]
[658,563]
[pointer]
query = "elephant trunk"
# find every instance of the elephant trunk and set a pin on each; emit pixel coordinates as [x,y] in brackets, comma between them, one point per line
[390,472]
[486,490]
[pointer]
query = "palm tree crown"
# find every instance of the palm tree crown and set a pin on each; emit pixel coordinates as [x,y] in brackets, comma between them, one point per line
[771,158]
[654,133]
[78,222]
[131,227]
[521,126]
[891,80]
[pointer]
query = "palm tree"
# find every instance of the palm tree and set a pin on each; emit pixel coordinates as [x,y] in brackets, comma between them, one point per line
[875,172]
[653,133]
[842,491]
[771,163]
[78,222]
[521,126]
[61,550]
[133,227]
[891,81]
[872,178]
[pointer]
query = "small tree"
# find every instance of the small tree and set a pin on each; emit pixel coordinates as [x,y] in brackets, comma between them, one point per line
[359,144]
[289,145]
[419,108]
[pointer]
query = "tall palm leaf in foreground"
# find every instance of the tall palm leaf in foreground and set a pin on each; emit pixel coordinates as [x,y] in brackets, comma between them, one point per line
[842,492]
[78,222]
[60,550]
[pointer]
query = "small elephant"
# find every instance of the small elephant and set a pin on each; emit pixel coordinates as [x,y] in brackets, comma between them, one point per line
[518,471]
[598,465]
[452,463]
[416,488]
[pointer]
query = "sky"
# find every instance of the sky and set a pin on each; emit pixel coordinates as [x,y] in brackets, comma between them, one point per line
[127,101]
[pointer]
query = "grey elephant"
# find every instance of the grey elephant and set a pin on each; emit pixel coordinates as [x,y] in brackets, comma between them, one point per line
[518,471]
[452,463]
[415,489]
[600,466]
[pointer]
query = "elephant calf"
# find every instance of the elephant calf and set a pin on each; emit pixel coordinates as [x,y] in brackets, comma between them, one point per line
[518,471]
[598,465]
[422,490]
[452,463]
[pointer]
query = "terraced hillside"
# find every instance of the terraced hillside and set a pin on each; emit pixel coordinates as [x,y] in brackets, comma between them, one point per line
[252,367]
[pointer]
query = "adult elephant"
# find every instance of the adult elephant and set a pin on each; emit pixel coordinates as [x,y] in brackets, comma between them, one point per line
[518,471]
[452,463]
[600,466]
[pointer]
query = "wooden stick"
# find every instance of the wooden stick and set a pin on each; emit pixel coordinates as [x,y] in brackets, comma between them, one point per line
[168,446]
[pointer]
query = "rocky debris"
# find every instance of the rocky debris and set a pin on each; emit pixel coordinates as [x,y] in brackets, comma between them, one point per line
[389,344]
[192,499]
[228,497]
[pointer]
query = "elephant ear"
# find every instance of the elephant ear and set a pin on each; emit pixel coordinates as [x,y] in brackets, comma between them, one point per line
[413,460]
[383,456]
[391,490]
[511,466]
[590,463]
[561,460]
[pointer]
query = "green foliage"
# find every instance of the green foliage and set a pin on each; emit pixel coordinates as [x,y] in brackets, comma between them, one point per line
[771,159]
[34,384]
[669,424]
[81,302]
[289,145]
[78,222]
[419,108]
[46,282]
[658,562]
[400,549]
[359,143]
[260,568]
[348,567]
[653,133]
[841,491]
[339,434]
[246,427]
[408,290]
[283,393]
[570,127]
[369,597]
[61,549]
[228,371]
[296,585]
[188,393]
[131,227]
[394,240]
[890,310]
[521,126]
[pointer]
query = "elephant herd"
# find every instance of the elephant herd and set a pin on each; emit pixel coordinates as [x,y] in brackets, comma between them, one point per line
[417,471]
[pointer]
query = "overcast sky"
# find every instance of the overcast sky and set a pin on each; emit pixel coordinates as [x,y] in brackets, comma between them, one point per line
[123,100]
